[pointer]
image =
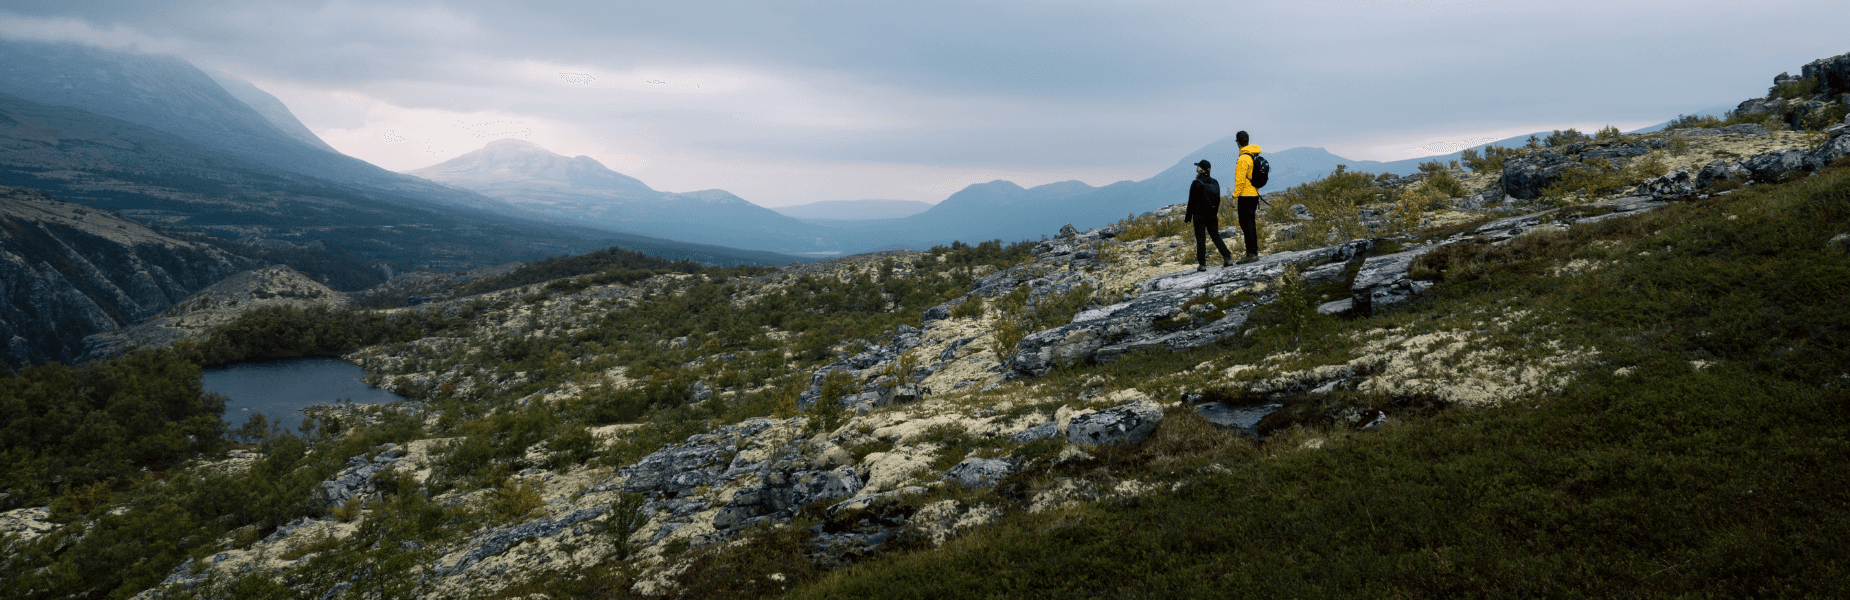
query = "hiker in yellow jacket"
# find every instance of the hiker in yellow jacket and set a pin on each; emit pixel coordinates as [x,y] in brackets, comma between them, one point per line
[1246,197]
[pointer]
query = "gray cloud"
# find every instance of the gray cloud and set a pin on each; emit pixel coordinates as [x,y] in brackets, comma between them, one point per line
[1088,86]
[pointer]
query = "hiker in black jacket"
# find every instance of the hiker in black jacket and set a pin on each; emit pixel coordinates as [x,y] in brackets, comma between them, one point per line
[1204,212]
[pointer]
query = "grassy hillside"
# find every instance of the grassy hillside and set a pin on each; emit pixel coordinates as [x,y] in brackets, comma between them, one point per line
[1649,405]
[1701,453]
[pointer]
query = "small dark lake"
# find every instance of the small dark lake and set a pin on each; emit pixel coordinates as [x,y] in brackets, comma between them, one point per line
[280,389]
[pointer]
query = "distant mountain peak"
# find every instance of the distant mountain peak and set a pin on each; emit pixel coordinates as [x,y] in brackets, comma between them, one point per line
[511,160]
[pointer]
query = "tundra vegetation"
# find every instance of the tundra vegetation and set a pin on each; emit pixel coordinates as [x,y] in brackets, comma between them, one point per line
[1666,394]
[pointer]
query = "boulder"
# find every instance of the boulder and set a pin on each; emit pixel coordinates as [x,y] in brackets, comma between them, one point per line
[979,472]
[1838,148]
[1669,186]
[1840,243]
[1771,166]
[1833,74]
[1719,171]
[356,479]
[1125,425]
[1758,106]
[1068,231]
[1382,282]
[792,491]
[1046,430]
[1525,177]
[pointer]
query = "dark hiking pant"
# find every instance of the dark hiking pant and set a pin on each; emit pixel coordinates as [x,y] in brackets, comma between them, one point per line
[1249,223]
[1206,226]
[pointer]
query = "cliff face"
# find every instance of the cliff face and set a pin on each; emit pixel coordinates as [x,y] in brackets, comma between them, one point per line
[220,303]
[67,272]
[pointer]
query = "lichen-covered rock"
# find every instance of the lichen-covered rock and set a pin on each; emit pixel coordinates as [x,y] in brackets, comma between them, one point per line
[1126,425]
[1382,282]
[356,479]
[979,472]
[1108,332]
[1770,166]
[494,542]
[1718,171]
[1674,185]
[1524,177]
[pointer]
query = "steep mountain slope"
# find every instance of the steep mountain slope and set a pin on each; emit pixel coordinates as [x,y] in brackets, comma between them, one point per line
[162,142]
[68,272]
[273,110]
[170,95]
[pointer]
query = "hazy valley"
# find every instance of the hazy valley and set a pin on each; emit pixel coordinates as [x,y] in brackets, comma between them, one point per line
[1587,365]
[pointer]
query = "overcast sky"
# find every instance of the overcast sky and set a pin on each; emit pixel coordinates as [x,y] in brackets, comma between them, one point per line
[793,102]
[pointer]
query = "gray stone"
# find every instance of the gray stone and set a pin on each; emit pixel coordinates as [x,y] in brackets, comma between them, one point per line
[1840,242]
[1832,74]
[1718,171]
[1770,166]
[979,472]
[1038,432]
[950,350]
[1746,129]
[1615,153]
[1382,282]
[791,491]
[1674,185]
[1301,212]
[494,542]
[1125,425]
[1244,419]
[1107,332]
[356,479]
[1068,231]
[1337,307]
[1525,177]
[699,391]
[1836,149]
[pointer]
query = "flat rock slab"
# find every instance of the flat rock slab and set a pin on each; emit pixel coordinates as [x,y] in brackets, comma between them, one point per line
[1243,418]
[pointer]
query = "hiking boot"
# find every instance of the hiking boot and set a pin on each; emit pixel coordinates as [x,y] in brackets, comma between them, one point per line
[1226,260]
[1203,267]
[1249,258]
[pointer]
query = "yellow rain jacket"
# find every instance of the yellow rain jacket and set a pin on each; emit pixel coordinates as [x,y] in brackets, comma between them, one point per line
[1243,172]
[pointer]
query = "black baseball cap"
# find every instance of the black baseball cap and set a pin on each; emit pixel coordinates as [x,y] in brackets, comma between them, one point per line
[1205,164]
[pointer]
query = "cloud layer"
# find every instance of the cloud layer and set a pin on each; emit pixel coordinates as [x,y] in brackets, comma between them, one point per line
[792,102]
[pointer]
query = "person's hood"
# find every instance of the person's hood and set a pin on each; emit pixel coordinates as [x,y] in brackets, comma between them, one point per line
[1249,149]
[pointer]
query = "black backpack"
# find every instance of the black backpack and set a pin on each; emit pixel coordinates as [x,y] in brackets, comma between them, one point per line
[1262,171]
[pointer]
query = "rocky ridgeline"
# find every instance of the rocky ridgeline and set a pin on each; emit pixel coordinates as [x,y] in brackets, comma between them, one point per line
[220,303]
[68,272]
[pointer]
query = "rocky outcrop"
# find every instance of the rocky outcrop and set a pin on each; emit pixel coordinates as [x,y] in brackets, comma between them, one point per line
[221,303]
[1108,332]
[1525,177]
[67,272]
[1126,425]
[355,480]
[770,485]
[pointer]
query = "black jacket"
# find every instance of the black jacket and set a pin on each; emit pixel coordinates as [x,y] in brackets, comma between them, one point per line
[1204,197]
